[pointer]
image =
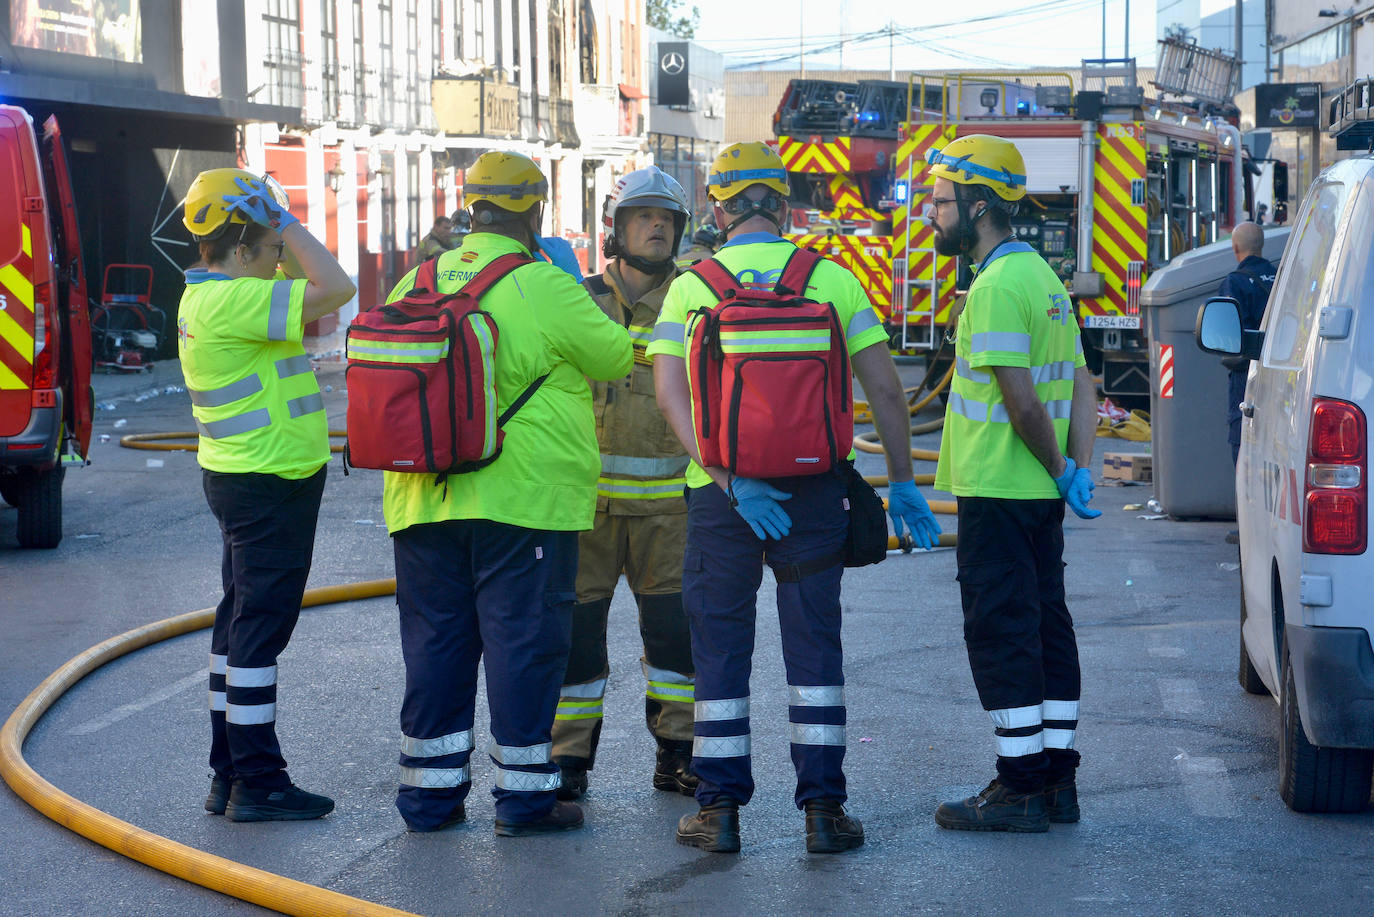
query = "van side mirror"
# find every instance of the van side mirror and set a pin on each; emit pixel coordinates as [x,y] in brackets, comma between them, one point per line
[1219,330]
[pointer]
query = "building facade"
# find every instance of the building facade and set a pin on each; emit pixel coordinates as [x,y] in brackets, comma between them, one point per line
[687,114]
[367,112]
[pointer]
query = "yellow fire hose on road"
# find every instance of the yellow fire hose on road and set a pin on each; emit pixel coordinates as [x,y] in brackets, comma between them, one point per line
[247,883]
[869,442]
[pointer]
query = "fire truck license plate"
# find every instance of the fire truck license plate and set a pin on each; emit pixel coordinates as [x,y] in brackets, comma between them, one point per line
[1129,322]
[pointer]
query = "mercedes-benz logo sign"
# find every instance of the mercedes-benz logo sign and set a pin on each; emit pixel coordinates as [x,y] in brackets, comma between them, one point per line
[672,63]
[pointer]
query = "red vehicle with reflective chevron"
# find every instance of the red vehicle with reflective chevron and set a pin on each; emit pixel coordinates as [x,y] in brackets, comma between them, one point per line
[45,342]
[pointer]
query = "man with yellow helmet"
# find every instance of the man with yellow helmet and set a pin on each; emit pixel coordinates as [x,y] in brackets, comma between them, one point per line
[486,560]
[1018,440]
[735,525]
[263,446]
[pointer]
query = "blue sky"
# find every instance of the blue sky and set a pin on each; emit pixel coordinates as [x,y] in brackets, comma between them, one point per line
[968,34]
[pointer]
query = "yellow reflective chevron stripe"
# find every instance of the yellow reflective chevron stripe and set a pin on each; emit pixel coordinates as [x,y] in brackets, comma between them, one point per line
[397,351]
[635,489]
[805,341]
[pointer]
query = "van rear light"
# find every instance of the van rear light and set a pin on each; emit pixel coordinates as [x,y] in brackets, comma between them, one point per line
[44,369]
[1337,516]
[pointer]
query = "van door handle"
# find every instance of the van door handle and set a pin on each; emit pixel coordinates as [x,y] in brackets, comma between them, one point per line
[1247,409]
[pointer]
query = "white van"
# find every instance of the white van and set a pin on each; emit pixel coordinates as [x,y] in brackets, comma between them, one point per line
[1302,492]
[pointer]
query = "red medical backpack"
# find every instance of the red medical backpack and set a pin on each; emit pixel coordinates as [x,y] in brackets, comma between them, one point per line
[421,378]
[769,373]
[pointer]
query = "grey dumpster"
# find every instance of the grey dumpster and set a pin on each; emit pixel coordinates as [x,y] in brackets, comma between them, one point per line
[1193,473]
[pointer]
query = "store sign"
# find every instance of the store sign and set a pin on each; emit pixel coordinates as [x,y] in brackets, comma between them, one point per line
[673,70]
[476,107]
[1284,105]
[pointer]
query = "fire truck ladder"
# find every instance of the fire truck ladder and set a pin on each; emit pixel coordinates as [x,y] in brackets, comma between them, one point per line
[924,319]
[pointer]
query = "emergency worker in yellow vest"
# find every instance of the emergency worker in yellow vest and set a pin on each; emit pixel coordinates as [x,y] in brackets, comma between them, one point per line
[1018,440]
[795,524]
[264,443]
[641,521]
[486,561]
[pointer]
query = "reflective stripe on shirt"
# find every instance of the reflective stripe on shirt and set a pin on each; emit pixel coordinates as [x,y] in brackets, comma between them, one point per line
[226,394]
[1000,341]
[280,310]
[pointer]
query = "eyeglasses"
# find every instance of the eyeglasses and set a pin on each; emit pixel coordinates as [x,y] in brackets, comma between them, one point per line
[937,202]
[279,246]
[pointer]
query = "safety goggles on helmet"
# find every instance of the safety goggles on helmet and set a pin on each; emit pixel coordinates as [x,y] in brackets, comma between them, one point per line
[743,164]
[206,214]
[981,159]
[509,181]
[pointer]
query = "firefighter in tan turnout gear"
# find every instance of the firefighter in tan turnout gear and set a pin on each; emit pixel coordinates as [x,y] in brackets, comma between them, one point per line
[641,522]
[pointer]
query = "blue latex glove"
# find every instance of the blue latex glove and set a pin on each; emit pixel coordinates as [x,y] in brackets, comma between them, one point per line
[257,204]
[905,504]
[1076,487]
[759,503]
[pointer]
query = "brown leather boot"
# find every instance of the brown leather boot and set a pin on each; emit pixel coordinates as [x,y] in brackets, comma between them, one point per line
[829,829]
[714,828]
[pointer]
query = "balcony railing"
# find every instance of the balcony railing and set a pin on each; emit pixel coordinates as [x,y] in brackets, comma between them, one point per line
[285,78]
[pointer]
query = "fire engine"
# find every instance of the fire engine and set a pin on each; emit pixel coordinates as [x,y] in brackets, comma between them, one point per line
[1116,187]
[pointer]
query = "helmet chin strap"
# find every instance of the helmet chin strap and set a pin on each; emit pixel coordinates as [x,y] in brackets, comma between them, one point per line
[646,266]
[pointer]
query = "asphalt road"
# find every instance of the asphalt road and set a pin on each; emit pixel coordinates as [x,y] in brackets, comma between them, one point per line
[1178,786]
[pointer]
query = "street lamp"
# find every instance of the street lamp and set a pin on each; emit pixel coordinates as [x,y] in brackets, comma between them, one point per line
[335,177]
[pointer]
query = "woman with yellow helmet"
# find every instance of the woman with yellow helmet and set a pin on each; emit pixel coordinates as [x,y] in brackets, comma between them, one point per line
[263,447]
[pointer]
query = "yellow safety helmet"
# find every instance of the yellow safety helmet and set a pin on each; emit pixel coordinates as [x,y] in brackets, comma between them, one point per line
[206,215]
[506,180]
[981,159]
[740,165]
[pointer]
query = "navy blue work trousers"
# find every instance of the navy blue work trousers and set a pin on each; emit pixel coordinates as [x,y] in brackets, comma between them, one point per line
[267,524]
[468,590]
[1019,634]
[723,568]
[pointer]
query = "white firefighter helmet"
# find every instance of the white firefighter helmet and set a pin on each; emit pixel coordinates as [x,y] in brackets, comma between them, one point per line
[649,187]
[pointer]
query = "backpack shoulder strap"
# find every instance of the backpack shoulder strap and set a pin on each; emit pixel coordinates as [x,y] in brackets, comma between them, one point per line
[796,273]
[427,277]
[717,278]
[488,276]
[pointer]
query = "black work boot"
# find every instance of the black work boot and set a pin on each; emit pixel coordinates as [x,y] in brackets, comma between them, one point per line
[1061,801]
[572,782]
[714,828]
[997,808]
[282,803]
[829,829]
[218,797]
[673,769]
[564,816]
[455,818]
